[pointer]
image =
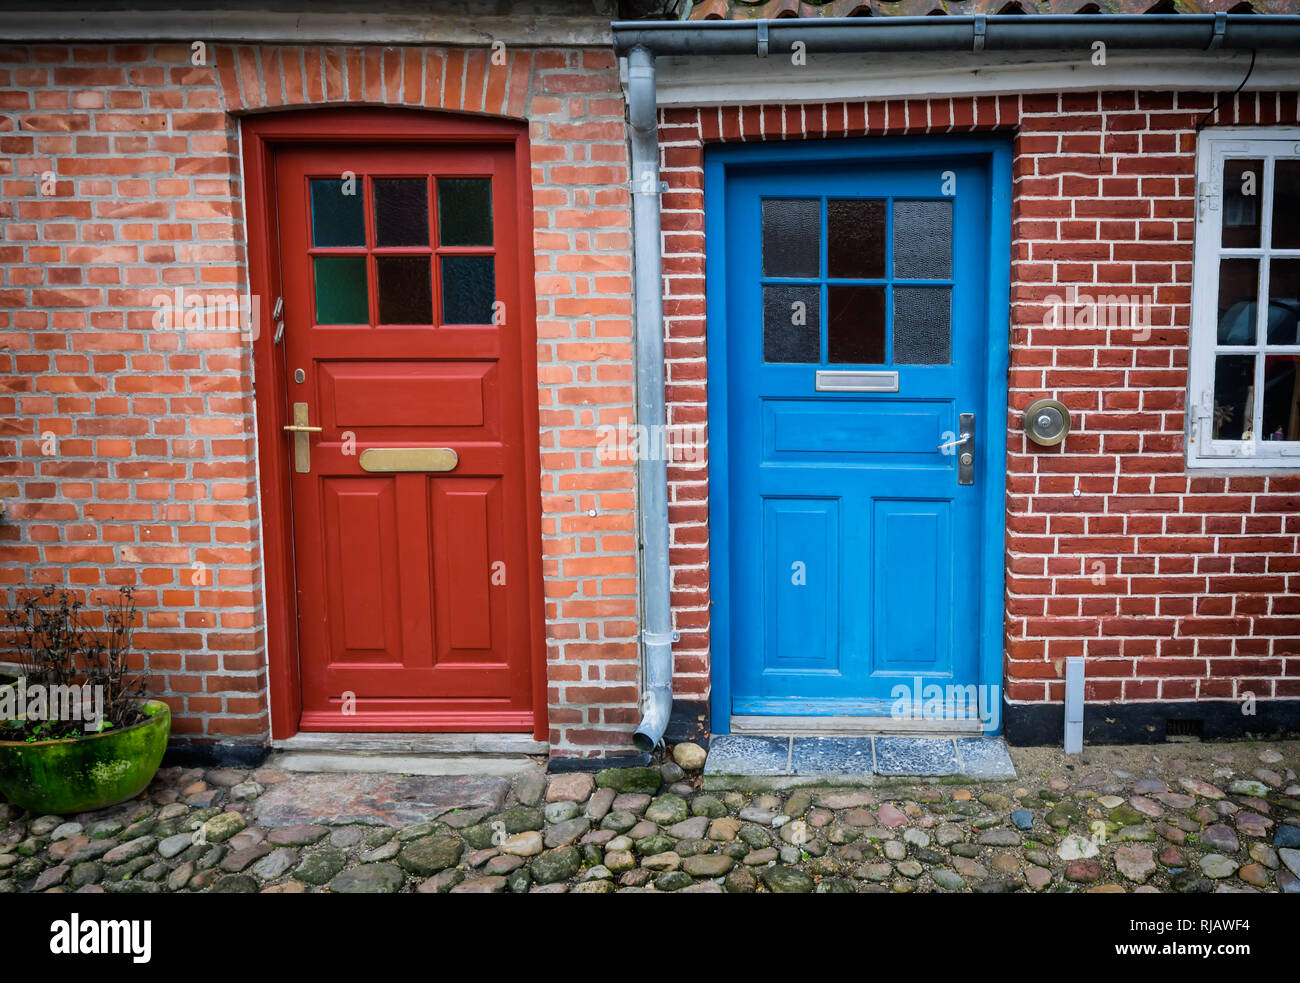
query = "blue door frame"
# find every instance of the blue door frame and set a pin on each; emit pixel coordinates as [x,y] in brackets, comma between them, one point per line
[731,165]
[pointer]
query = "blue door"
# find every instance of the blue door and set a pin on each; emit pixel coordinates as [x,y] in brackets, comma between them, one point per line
[859,375]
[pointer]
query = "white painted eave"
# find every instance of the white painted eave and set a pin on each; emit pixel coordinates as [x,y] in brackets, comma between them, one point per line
[749,80]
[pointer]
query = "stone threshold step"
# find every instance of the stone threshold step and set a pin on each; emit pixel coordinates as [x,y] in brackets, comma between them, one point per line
[411,743]
[403,764]
[751,763]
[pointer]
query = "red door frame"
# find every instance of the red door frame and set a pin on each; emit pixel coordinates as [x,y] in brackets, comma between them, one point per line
[260,137]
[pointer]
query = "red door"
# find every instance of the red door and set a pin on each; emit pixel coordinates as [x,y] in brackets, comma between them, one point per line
[402,344]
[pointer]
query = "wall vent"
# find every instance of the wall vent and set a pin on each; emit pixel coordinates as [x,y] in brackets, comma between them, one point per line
[1183,730]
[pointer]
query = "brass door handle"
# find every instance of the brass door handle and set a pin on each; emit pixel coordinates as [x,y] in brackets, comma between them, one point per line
[301,441]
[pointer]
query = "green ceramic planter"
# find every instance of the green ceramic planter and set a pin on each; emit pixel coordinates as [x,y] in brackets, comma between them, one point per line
[87,772]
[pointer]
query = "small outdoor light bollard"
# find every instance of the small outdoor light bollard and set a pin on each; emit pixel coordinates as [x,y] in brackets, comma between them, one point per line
[1074,704]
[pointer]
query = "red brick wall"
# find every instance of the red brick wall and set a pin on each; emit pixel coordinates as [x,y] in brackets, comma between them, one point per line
[152,479]
[1201,590]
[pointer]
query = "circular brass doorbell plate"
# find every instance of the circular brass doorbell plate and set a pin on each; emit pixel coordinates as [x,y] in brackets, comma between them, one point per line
[1047,421]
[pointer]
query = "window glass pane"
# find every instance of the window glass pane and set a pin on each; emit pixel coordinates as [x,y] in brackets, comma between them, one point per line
[1234,396]
[923,239]
[405,293]
[341,294]
[1238,290]
[922,325]
[856,326]
[855,244]
[1281,397]
[1286,204]
[336,219]
[465,211]
[1284,302]
[468,289]
[401,212]
[1243,190]
[791,324]
[791,237]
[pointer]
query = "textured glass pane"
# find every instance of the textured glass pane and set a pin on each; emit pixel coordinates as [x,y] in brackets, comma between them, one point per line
[341,295]
[856,326]
[401,212]
[405,293]
[791,236]
[337,219]
[468,289]
[922,325]
[1238,290]
[923,239]
[1286,204]
[791,324]
[1284,302]
[855,243]
[465,211]
[1234,396]
[1243,189]
[1281,397]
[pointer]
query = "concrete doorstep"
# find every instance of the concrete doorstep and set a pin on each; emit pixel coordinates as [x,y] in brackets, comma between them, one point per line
[750,763]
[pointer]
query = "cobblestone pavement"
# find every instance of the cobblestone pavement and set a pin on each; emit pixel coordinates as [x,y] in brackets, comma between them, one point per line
[1181,818]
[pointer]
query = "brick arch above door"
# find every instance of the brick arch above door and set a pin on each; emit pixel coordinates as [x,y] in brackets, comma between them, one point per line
[256,78]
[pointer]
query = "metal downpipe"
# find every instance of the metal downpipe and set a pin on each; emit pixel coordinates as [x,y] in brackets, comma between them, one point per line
[652,467]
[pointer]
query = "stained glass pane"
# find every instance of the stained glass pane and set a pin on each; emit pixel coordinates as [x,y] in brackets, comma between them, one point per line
[791,324]
[468,289]
[856,324]
[791,236]
[922,325]
[465,211]
[401,212]
[855,244]
[341,294]
[337,219]
[923,240]
[405,292]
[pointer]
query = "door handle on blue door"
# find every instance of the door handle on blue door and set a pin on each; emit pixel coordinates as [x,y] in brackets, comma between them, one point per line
[966,459]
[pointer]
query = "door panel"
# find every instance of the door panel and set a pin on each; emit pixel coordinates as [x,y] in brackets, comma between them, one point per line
[912,573]
[400,272]
[801,618]
[847,521]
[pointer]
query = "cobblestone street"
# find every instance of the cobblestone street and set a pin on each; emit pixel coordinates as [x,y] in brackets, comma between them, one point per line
[1174,817]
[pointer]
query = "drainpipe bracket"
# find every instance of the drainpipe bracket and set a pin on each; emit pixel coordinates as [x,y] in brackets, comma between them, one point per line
[660,637]
[1220,30]
[649,186]
[762,39]
[981,23]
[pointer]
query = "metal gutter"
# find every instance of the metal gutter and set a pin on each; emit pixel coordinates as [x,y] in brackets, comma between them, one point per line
[993,32]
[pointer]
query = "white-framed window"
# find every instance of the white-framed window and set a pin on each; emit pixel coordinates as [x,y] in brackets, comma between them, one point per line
[1243,400]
